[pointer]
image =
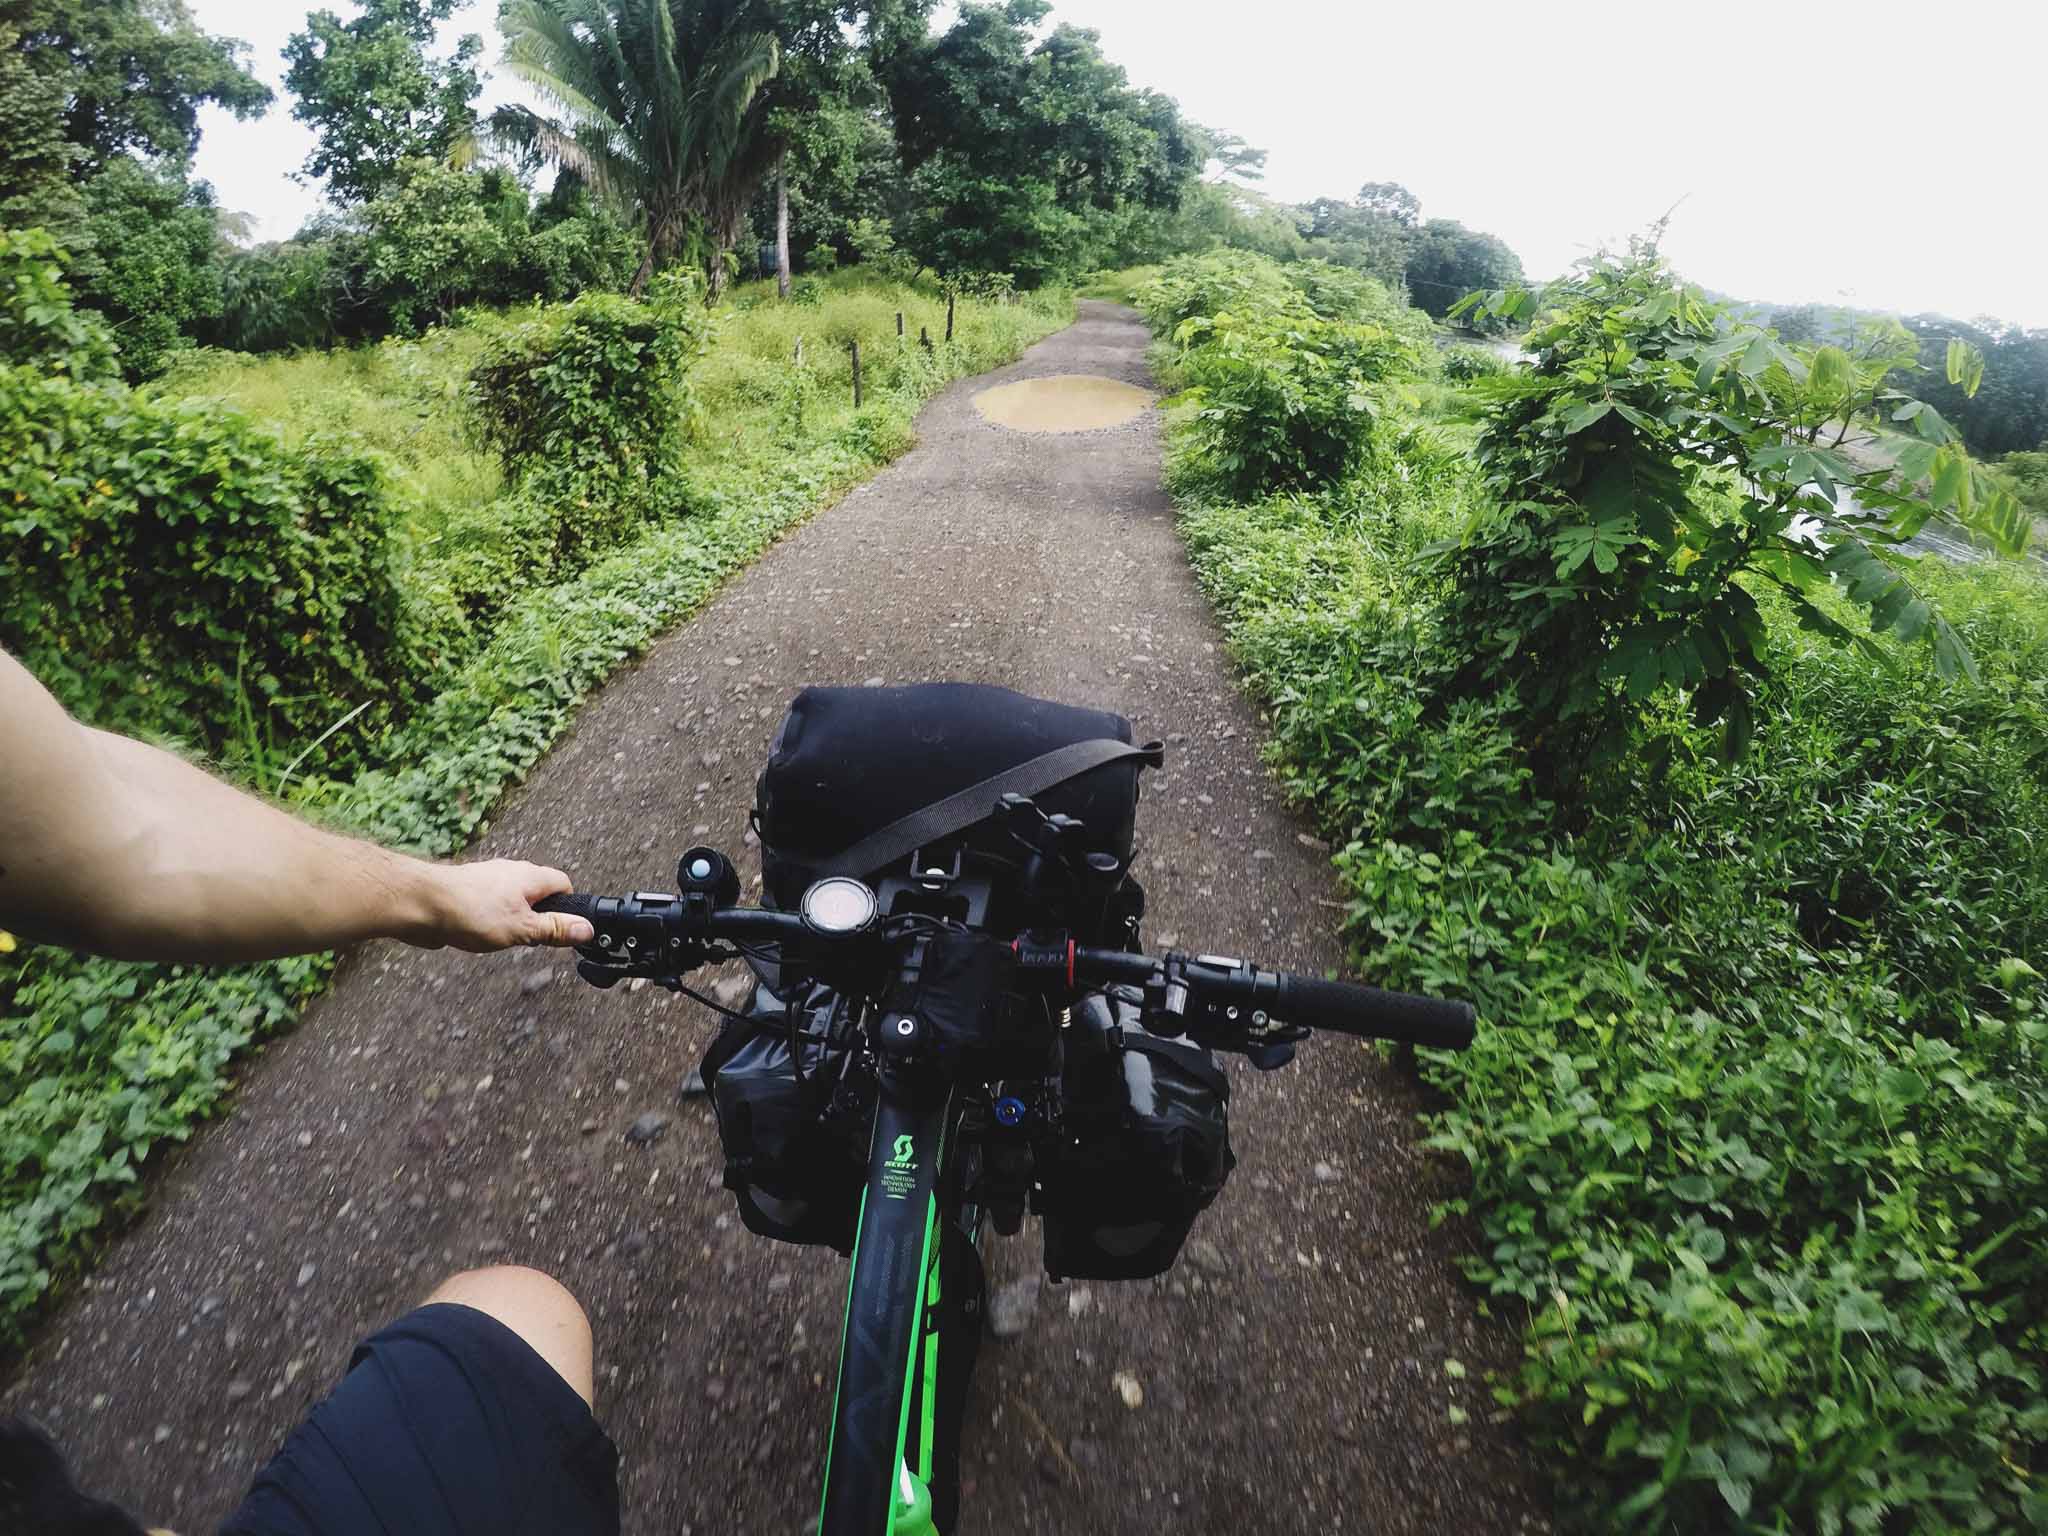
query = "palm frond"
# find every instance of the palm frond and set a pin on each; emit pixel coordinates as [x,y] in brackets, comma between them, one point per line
[543,48]
[723,93]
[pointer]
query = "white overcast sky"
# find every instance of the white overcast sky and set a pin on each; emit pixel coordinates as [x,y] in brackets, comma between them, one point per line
[1881,154]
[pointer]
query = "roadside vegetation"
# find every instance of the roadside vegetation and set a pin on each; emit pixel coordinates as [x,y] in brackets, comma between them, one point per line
[409,564]
[1757,1120]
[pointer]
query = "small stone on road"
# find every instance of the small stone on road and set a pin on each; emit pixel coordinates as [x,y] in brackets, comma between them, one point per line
[649,1127]
[1010,1309]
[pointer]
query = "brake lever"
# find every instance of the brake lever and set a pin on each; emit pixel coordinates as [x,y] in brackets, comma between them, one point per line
[601,967]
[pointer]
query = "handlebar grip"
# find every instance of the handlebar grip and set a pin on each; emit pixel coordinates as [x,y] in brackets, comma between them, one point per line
[575,903]
[1346,1007]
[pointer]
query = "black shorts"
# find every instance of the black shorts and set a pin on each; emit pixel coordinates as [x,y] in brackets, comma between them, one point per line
[447,1424]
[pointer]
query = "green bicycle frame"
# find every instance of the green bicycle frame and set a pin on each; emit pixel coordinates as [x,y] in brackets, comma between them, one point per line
[878,1465]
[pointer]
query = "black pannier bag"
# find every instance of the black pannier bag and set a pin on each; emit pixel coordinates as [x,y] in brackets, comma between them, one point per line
[1144,1146]
[849,762]
[796,1146]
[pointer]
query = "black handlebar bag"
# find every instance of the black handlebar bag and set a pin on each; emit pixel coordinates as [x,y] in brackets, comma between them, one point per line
[960,986]
[850,763]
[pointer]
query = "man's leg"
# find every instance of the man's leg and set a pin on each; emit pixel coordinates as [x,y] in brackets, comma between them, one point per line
[469,1416]
[535,1306]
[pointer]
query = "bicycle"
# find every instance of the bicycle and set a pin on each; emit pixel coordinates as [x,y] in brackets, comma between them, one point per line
[944,1001]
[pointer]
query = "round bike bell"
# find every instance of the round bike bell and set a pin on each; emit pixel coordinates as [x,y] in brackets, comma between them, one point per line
[839,905]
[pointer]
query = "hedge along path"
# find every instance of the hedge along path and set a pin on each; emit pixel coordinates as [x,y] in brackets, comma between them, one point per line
[443,1110]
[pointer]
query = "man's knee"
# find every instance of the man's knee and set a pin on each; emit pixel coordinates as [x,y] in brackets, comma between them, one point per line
[535,1306]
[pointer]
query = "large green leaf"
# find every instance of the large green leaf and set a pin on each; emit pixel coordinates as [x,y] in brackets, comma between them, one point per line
[1829,373]
[1965,365]
[1952,658]
[1951,476]
[1583,416]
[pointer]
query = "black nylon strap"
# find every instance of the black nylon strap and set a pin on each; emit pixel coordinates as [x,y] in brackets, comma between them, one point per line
[957,812]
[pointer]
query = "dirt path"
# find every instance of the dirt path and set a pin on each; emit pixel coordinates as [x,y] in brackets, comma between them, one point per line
[438,1111]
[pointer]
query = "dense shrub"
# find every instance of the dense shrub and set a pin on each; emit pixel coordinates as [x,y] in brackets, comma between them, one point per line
[40,327]
[1652,468]
[1194,287]
[1283,397]
[172,568]
[154,272]
[587,404]
[175,569]
[1757,1117]
[437,241]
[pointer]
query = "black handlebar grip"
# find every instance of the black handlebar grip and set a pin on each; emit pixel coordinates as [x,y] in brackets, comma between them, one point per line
[1345,1007]
[575,903]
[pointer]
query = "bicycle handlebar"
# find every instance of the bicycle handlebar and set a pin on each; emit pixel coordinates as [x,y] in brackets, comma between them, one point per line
[1212,993]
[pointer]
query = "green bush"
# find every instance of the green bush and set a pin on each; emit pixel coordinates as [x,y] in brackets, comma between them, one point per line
[174,569]
[587,404]
[1282,399]
[1195,287]
[40,325]
[1757,1117]
[154,272]
[1655,464]
[1463,364]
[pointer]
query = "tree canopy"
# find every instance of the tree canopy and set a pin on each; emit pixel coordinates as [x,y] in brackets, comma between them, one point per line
[1446,261]
[369,90]
[1025,154]
[134,73]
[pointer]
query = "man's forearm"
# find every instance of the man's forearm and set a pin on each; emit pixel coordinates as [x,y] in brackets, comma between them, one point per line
[110,845]
[197,869]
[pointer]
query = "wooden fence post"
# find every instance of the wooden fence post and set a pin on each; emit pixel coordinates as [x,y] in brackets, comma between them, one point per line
[799,351]
[949,319]
[924,338]
[899,325]
[856,373]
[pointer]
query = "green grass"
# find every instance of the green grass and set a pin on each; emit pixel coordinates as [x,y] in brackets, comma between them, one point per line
[405,399]
[1119,287]
[103,1063]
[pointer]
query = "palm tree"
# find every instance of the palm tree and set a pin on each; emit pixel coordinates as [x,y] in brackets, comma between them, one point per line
[656,98]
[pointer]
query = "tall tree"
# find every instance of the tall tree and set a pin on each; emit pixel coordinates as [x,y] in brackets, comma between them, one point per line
[154,267]
[1371,232]
[680,113]
[654,96]
[376,100]
[37,163]
[1391,201]
[1446,261]
[1026,154]
[133,73]
[1230,158]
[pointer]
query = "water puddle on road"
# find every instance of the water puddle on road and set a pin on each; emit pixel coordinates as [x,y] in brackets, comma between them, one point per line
[1069,402]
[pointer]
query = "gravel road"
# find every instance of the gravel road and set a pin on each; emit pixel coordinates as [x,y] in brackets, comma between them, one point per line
[436,1111]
